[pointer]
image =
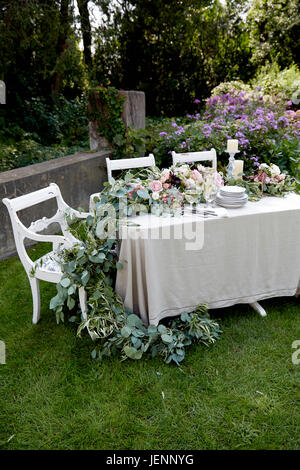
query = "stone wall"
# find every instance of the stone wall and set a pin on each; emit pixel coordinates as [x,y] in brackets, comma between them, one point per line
[77,175]
[134,109]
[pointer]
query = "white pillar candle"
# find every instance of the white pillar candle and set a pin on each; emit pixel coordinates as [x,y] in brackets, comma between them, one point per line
[238,169]
[232,145]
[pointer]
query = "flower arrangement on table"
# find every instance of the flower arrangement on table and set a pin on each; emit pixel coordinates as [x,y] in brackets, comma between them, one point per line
[164,190]
[272,180]
[266,179]
[192,181]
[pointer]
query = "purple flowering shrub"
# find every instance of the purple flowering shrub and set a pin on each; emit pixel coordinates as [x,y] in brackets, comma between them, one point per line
[267,130]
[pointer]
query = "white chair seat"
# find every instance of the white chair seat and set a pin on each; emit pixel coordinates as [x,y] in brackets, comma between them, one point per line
[49,262]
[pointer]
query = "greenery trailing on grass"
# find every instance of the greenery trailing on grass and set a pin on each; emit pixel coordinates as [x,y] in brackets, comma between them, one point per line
[124,332]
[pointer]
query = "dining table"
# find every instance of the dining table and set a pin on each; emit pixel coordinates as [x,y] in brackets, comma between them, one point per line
[172,264]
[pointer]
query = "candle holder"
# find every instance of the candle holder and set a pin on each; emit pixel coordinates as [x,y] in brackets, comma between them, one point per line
[230,165]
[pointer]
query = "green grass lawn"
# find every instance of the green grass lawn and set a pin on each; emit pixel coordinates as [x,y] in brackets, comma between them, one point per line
[241,393]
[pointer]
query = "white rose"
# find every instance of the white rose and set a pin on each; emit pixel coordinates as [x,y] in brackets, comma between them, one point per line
[155,195]
[275,170]
[184,170]
[263,167]
[190,183]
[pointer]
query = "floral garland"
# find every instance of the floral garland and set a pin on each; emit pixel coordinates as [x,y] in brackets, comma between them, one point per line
[171,187]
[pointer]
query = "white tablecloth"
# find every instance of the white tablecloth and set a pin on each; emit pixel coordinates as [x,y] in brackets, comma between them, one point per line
[251,255]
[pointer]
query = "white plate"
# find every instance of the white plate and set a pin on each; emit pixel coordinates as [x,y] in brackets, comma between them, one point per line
[231,206]
[227,200]
[232,190]
[237,197]
[230,199]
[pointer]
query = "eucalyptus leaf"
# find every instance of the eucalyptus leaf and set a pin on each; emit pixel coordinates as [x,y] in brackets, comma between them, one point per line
[134,320]
[132,352]
[85,277]
[70,303]
[167,338]
[143,193]
[126,331]
[161,328]
[65,282]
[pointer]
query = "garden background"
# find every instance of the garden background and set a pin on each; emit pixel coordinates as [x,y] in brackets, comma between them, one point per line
[53,52]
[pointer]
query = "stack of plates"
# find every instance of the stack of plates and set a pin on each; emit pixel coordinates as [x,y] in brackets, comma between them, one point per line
[232,196]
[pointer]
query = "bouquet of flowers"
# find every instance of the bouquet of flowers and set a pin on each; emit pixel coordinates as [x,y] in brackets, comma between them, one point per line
[145,192]
[190,180]
[272,180]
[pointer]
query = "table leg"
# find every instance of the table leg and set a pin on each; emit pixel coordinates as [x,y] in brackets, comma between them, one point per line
[258,308]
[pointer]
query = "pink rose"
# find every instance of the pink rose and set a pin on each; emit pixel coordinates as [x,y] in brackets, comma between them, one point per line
[166,185]
[195,175]
[165,175]
[219,180]
[155,185]
[280,177]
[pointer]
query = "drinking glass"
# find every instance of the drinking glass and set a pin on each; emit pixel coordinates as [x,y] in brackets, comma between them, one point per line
[210,190]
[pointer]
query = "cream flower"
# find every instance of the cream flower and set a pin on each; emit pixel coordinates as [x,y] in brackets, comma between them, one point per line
[155,195]
[275,170]
[189,183]
[263,167]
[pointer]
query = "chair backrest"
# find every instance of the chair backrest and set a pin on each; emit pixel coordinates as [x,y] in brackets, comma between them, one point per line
[128,163]
[21,232]
[209,155]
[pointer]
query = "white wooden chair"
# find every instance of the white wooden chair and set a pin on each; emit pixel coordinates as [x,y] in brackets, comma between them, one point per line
[128,163]
[45,268]
[124,164]
[209,155]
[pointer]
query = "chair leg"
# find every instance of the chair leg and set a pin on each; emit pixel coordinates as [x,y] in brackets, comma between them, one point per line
[258,308]
[35,290]
[82,301]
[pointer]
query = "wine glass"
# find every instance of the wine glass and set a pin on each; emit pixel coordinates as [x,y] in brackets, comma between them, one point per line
[211,189]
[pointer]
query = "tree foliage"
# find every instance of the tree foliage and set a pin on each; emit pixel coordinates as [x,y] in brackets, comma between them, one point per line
[174,50]
[274,31]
